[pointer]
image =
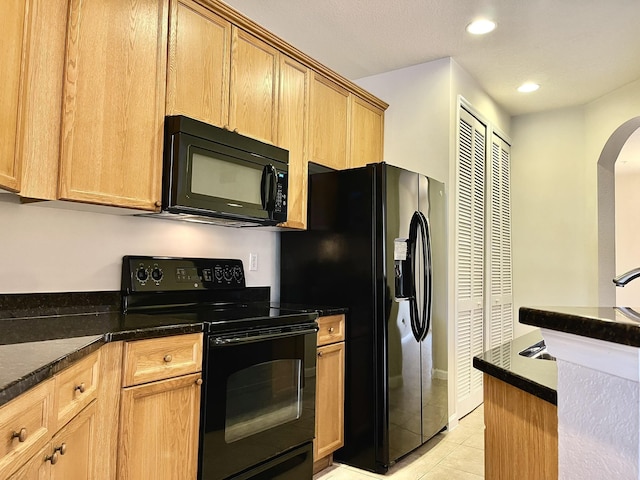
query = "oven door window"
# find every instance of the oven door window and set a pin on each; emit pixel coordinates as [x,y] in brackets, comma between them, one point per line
[262,397]
[258,402]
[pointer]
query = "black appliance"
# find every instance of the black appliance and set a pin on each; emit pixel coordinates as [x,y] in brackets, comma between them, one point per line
[376,243]
[258,394]
[214,175]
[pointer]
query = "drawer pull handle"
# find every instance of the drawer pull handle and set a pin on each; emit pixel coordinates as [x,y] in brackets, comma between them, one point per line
[20,435]
[167,358]
[199,381]
[53,458]
[331,329]
[81,388]
[62,449]
[319,354]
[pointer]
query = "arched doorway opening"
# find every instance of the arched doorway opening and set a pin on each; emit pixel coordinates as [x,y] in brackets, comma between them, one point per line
[607,209]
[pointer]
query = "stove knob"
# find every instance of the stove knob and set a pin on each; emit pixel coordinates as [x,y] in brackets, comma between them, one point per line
[157,274]
[237,274]
[227,274]
[217,273]
[142,274]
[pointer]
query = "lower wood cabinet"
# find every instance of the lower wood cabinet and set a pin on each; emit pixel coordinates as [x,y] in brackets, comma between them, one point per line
[73,448]
[159,429]
[521,433]
[70,455]
[159,419]
[130,410]
[329,390]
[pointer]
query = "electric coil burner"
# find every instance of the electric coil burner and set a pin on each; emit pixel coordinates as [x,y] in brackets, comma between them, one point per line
[258,395]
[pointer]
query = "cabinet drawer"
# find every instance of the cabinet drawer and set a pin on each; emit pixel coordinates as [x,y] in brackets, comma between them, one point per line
[25,426]
[75,388]
[331,329]
[160,358]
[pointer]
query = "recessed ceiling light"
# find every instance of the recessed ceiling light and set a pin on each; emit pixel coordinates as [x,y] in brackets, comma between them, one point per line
[480,27]
[528,87]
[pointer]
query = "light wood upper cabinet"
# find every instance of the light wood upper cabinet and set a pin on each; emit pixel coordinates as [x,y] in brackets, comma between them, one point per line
[367,133]
[329,123]
[14,24]
[199,63]
[293,128]
[114,103]
[253,106]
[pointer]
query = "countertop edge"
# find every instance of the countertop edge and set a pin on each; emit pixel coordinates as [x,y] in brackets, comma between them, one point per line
[21,385]
[583,325]
[544,393]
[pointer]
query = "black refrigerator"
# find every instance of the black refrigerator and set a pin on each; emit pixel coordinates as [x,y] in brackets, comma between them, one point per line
[376,244]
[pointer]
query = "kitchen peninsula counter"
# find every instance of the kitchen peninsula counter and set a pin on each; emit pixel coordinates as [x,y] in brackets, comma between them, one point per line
[612,324]
[535,376]
[598,352]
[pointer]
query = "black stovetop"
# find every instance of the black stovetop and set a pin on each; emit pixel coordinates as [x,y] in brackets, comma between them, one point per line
[197,290]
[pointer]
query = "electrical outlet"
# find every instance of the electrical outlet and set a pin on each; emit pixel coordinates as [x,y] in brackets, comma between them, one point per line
[253,261]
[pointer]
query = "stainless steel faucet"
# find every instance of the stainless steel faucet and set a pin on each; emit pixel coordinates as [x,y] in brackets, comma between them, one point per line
[622,280]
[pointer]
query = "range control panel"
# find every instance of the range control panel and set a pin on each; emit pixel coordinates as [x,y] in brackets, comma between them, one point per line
[155,274]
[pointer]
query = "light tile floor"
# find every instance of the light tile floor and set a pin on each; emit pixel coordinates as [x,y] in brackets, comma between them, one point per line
[454,455]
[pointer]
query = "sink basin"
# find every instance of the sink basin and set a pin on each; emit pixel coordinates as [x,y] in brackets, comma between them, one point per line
[537,350]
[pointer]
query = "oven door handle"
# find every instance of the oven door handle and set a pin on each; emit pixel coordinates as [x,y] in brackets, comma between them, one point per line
[225,341]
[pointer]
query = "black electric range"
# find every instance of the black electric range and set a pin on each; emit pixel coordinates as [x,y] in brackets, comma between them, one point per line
[258,395]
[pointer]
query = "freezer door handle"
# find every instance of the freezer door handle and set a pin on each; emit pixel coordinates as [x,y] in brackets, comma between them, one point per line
[420,318]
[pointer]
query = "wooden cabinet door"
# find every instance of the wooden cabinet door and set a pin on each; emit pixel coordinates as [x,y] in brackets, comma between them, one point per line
[328,123]
[159,430]
[329,400]
[114,102]
[367,133]
[74,446]
[198,73]
[254,87]
[37,468]
[293,128]
[13,24]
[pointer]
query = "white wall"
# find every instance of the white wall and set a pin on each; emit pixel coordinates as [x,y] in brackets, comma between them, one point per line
[555,201]
[554,237]
[416,130]
[45,249]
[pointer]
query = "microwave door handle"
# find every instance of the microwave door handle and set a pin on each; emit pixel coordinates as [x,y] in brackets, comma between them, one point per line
[273,188]
[264,180]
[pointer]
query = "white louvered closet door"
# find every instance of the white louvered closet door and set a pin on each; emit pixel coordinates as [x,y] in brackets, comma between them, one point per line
[500,306]
[469,260]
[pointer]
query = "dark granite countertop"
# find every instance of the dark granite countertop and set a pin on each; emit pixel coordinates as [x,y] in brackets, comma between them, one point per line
[612,324]
[535,376]
[41,334]
[33,349]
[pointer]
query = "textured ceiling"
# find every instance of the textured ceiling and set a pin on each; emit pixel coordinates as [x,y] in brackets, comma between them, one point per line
[578,50]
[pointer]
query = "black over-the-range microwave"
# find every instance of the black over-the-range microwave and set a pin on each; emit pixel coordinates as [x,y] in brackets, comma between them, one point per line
[214,175]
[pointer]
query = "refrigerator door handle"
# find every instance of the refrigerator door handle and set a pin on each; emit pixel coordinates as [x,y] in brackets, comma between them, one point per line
[428,285]
[420,320]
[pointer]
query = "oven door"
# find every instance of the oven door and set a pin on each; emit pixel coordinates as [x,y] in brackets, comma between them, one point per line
[258,398]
